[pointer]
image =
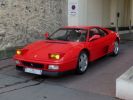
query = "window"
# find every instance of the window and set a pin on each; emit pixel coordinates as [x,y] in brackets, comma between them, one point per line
[66,34]
[102,32]
[97,31]
[93,31]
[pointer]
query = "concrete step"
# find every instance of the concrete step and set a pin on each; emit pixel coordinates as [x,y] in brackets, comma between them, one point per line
[124,85]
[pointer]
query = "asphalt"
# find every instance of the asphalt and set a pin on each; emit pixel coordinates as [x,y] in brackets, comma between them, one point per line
[15,85]
[98,83]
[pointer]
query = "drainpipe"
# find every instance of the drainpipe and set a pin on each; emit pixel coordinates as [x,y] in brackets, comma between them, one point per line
[117,22]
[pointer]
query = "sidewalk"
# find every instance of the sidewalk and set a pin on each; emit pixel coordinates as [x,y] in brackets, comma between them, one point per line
[126,37]
[6,62]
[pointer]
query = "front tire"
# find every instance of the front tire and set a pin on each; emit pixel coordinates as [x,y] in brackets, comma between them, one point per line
[82,63]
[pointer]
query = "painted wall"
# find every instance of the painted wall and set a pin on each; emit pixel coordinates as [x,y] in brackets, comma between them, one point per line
[83,9]
[123,7]
[132,12]
[101,12]
[80,16]
[95,12]
[73,19]
[91,12]
[106,13]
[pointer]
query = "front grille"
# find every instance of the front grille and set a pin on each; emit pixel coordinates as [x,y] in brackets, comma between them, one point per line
[34,65]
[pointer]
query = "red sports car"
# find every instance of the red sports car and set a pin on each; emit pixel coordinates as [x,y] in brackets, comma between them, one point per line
[68,48]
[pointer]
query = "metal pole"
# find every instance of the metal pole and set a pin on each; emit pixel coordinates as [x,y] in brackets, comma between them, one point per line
[117,22]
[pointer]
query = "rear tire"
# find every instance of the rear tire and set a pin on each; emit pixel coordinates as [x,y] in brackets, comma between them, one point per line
[82,64]
[116,49]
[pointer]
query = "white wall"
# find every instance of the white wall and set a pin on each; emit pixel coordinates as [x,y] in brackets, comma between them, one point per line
[113,11]
[106,13]
[73,19]
[83,9]
[95,12]
[123,7]
[120,8]
[90,12]
[99,12]
[80,18]
[131,12]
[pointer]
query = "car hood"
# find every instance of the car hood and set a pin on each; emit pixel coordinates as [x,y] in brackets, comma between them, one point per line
[41,49]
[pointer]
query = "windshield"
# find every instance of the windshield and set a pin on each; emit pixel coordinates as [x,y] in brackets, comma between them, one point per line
[74,35]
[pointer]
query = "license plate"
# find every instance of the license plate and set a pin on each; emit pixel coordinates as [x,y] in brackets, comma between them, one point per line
[33,71]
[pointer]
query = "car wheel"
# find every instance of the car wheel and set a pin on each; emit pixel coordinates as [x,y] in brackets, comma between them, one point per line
[116,49]
[82,63]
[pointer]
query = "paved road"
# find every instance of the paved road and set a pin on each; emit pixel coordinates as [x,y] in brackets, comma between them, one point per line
[97,84]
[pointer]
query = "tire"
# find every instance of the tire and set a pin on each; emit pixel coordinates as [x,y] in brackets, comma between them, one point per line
[82,64]
[116,49]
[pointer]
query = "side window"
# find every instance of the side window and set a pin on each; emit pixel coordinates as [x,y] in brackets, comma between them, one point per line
[93,31]
[102,32]
[97,31]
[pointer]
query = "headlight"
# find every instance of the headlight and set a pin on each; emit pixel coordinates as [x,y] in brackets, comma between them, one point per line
[55,56]
[53,67]
[21,52]
[18,52]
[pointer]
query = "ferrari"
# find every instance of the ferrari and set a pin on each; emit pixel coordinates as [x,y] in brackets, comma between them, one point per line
[68,48]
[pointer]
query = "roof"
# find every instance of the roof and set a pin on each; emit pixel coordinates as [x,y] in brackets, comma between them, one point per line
[81,27]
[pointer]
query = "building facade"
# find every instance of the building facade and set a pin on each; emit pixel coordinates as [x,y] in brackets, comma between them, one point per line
[24,21]
[106,13]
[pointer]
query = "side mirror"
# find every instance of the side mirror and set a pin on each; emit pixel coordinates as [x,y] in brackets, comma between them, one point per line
[46,35]
[95,37]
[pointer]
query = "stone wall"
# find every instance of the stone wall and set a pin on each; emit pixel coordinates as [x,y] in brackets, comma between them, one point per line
[24,21]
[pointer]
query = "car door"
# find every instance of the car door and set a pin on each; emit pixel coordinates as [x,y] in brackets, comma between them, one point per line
[99,46]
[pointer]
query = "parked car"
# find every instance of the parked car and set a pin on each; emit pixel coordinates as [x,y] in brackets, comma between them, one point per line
[68,48]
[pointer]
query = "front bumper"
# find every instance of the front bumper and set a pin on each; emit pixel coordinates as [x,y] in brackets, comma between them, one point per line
[47,73]
[41,65]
